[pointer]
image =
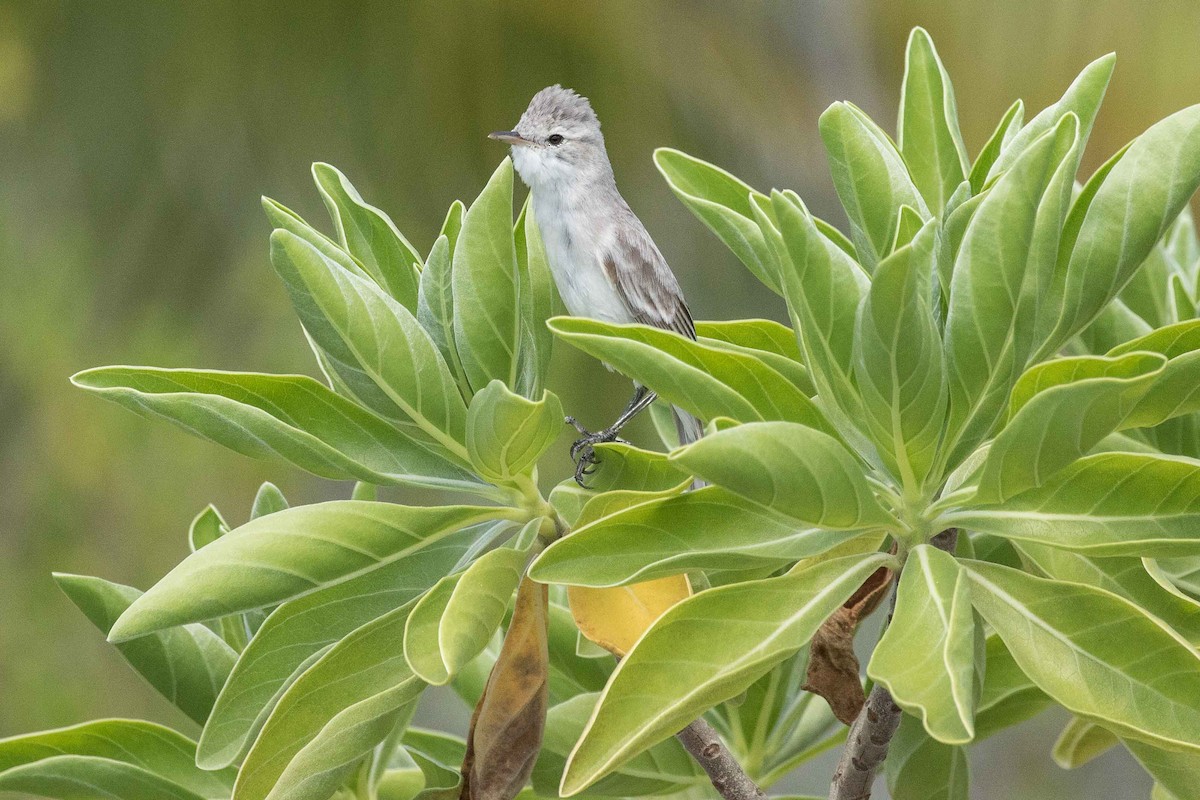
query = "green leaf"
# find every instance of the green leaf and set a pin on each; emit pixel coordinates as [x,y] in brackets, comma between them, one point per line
[1131,209]
[537,297]
[338,750]
[763,335]
[628,467]
[823,287]
[1010,123]
[898,361]
[1082,98]
[931,656]
[927,134]
[792,469]
[456,619]
[374,344]
[706,381]
[1009,696]
[285,417]
[188,665]
[331,699]
[435,309]
[268,500]
[289,554]
[206,527]
[1173,771]
[665,768]
[871,179]
[282,217]
[1109,504]
[1176,392]
[370,236]
[679,668]
[707,529]
[919,767]
[1080,742]
[787,365]
[721,202]
[1007,252]
[1126,576]
[487,326]
[507,434]
[118,758]
[300,630]
[1064,421]
[1141,683]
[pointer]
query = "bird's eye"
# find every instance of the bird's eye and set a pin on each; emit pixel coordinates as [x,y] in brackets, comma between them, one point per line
[555,139]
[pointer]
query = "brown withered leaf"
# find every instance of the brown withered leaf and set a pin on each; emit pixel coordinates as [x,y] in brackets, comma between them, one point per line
[506,728]
[832,665]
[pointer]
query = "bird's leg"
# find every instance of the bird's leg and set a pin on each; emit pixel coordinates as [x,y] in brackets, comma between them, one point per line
[582,451]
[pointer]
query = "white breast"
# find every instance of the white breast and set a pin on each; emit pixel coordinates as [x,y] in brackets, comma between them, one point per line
[575,241]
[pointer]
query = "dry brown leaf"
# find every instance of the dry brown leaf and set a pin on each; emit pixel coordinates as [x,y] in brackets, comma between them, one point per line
[832,665]
[506,728]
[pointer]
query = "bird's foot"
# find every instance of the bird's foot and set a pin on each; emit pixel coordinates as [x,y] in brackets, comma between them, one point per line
[583,452]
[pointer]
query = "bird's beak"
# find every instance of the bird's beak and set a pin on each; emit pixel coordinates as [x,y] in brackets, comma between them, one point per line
[509,137]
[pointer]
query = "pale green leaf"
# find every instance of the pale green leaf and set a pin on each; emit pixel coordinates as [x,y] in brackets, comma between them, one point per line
[1063,422]
[1080,742]
[507,433]
[370,236]
[374,344]
[1131,209]
[927,134]
[537,298]
[487,325]
[206,527]
[456,619]
[1082,98]
[188,665]
[326,699]
[1005,260]
[300,630]
[129,758]
[663,769]
[284,417]
[1109,504]
[1009,124]
[707,649]
[707,529]
[871,179]
[1173,771]
[435,309]
[919,767]
[289,554]
[1095,653]
[898,361]
[721,202]
[931,655]
[795,470]
[704,380]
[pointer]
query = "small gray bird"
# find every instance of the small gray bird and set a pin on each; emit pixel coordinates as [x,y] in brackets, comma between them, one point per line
[604,262]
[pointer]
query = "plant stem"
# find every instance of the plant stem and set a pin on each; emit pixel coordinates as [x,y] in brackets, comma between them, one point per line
[871,734]
[727,776]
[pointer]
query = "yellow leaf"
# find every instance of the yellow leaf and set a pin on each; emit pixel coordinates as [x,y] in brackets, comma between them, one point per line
[616,617]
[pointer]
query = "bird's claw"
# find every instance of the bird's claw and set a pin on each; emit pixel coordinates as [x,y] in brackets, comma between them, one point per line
[583,452]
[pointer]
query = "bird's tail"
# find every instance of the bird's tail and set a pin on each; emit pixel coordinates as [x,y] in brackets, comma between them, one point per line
[687,426]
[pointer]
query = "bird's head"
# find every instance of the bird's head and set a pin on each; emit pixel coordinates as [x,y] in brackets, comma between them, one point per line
[557,141]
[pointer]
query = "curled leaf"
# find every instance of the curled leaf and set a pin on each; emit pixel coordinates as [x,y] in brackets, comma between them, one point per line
[506,729]
[832,666]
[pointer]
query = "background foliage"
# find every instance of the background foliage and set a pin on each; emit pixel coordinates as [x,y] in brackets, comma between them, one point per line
[134,140]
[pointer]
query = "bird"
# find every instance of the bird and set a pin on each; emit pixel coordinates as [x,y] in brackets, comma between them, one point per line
[604,261]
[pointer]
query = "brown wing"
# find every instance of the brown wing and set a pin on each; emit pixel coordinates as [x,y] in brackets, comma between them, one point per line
[646,284]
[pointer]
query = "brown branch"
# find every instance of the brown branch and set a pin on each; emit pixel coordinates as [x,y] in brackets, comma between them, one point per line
[727,776]
[871,734]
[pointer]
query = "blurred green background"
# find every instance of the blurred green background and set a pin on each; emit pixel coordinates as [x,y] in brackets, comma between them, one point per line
[136,138]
